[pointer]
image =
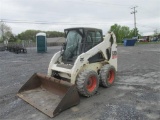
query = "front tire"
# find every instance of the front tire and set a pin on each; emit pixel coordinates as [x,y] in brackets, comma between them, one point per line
[87,83]
[107,75]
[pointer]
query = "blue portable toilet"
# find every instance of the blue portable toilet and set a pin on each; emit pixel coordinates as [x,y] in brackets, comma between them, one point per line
[41,42]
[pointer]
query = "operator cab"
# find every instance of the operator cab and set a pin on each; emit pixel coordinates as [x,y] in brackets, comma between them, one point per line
[79,40]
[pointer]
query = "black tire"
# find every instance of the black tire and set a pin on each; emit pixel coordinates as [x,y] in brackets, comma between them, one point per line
[87,83]
[107,75]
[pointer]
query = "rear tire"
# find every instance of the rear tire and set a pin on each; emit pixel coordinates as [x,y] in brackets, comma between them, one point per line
[87,83]
[107,75]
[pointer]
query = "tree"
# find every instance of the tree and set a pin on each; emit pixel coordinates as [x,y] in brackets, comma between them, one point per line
[5,32]
[51,34]
[28,35]
[132,34]
[122,32]
[155,32]
[12,38]
[31,34]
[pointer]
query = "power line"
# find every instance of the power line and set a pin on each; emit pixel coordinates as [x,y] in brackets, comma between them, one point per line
[68,23]
[58,23]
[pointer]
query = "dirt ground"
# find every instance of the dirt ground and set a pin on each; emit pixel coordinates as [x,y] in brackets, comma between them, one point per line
[134,96]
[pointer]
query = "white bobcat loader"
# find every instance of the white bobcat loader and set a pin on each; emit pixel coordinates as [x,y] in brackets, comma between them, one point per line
[86,61]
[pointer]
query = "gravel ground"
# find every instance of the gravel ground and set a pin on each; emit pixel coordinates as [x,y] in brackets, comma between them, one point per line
[134,96]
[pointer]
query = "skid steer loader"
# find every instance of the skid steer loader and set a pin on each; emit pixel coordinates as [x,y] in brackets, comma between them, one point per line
[85,61]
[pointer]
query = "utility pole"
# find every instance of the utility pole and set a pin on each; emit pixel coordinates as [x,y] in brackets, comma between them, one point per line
[134,12]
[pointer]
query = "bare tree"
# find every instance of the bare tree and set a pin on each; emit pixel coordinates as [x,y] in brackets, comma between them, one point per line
[5,32]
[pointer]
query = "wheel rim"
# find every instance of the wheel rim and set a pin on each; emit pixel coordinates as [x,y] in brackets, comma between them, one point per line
[91,84]
[110,76]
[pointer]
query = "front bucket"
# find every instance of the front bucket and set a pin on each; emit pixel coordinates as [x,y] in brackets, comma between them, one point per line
[48,94]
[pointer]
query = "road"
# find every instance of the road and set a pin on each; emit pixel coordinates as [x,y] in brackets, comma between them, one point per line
[134,96]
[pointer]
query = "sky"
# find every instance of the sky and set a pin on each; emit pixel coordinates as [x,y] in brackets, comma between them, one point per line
[56,15]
